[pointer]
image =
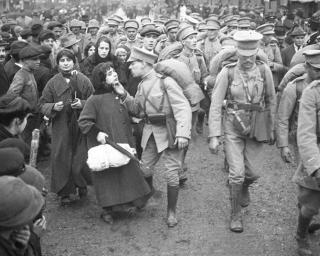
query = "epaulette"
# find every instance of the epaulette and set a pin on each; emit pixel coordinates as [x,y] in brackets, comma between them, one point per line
[314,84]
[231,65]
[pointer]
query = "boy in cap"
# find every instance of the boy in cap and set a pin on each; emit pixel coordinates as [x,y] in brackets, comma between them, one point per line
[25,86]
[307,175]
[156,98]
[236,83]
[150,35]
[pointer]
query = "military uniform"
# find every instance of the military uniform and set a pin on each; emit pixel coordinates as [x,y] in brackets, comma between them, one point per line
[244,90]
[133,24]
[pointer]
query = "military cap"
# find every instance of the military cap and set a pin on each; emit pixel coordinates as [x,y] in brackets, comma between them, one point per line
[45,34]
[118,17]
[185,31]
[266,29]
[83,25]
[20,203]
[69,40]
[51,25]
[139,54]
[297,31]
[30,52]
[170,24]
[232,22]
[212,24]
[75,24]
[25,33]
[149,29]
[202,27]
[36,29]
[312,57]
[159,22]
[131,24]
[247,42]
[244,22]
[145,20]
[10,104]
[213,16]
[93,24]
[16,46]
[192,21]
[112,21]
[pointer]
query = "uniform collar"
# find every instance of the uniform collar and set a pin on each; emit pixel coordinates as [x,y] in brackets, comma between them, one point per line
[148,75]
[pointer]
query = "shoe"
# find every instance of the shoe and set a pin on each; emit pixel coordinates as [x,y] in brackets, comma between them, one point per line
[82,192]
[302,236]
[236,215]
[172,194]
[107,217]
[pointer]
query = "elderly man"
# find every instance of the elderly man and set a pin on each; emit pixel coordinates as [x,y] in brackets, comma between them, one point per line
[160,101]
[248,120]
[307,175]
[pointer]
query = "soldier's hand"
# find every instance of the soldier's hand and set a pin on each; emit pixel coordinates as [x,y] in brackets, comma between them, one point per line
[286,155]
[214,145]
[181,142]
[101,137]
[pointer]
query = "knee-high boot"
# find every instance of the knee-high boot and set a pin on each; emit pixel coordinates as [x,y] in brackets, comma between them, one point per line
[302,236]
[236,216]
[149,180]
[172,193]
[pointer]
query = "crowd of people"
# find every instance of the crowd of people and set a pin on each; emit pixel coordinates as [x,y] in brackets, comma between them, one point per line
[151,84]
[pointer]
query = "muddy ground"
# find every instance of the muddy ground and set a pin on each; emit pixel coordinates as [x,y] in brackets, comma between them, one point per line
[203,211]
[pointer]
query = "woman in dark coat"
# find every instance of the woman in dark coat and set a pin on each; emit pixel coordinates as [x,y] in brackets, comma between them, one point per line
[63,99]
[121,188]
[102,55]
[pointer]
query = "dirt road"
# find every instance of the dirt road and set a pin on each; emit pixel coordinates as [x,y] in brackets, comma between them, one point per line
[203,207]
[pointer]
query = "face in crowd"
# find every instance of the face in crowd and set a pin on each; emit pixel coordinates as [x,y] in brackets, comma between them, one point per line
[212,34]
[113,29]
[66,64]
[150,41]
[247,62]
[131,33]
[91,50]
[93,31]
[137,68]
[57,31]
[298,40]
[190,42]
[48,42]
[103,49]
[2,54]
[75,30]
[32,64]
[172,34]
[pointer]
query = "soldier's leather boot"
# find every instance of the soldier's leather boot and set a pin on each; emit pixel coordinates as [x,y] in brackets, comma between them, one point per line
[236,216]
[245,194]
[302,236]
[172,193]
[149,180]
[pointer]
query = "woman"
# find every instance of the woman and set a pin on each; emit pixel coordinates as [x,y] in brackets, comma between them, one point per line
[122,188]
[102,55]
[63,99]
[89,50]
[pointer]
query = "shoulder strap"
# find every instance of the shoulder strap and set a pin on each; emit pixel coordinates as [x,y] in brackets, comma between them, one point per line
[230,80]
[146,99]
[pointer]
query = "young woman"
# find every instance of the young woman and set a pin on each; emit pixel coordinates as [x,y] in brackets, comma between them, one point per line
[63,99]
[122,188]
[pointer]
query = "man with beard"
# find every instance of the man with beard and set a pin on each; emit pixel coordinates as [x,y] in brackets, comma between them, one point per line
[25,86]
[131,29]
[4,82]
[150,34]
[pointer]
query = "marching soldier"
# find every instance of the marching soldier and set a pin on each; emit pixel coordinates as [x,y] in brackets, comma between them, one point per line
[307,175]
[248,119]
[287,118]
[157,100]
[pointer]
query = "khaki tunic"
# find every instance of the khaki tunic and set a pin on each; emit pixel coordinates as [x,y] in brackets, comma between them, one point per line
[210,49]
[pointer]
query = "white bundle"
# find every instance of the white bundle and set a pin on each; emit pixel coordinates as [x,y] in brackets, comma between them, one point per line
[105,156]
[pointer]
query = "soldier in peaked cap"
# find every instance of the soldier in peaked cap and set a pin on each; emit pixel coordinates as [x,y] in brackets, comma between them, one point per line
[244,23]
[131,30]
[242,143]
[114,36]
[273,52]
[172,27]
[75,27]
[150,35]
[145,20]
[307,175]
[92,35]
[154,91]
[197,66]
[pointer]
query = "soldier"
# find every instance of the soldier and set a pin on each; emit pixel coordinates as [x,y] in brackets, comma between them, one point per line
[158,99]
[131,29]
[287,117]
[248,119]
[172,27]
[113,24]
[307,175]
[197,66]
[273,52]
[75,27]
[150,34]
[92,35]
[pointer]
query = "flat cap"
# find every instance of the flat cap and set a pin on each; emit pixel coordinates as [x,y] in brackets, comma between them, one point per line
[131,24]
[53,24]
[112,21]
[170,24]
[149,28]
[212,24]
[247,42]
[93,24]
[312,57]
[3,43]
[297,31]
[12,161]
[266,29]
[46,34]
[185,31]
[202,27]
[139,54]
[145,20]
[10,104]
[36,29]
[30,52]
[16,46]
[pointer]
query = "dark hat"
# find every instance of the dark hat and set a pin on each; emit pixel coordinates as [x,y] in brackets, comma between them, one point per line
[138,54]
[173,23]
[25,33]
[46,34]
[16,143]
[10,103]
[54,24]
[297,31]
[36,29]
[30,52]
[12,162]
[3,43]
[149,29]
[33,177]
[45,49]
[16,46]
[20,203]
[69,40]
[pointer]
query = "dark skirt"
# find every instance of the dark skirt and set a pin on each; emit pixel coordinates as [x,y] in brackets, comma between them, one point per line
[122,185]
